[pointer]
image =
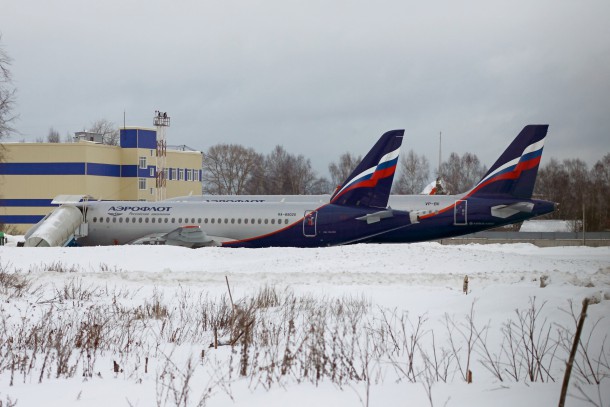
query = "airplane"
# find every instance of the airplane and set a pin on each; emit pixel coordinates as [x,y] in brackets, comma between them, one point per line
[356,213]
[503,196]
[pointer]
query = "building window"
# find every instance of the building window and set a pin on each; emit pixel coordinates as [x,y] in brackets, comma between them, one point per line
[143,163]
[189,175]
[142,183]
[152,171]
[196,175]
[166,173]
[181,174]
[174,174]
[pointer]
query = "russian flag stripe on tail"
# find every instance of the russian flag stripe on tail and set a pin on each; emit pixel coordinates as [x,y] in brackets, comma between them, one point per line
[370,183]
[514,173]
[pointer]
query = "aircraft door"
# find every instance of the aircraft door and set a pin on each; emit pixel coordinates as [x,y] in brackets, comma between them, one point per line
[460,214]
[310,223]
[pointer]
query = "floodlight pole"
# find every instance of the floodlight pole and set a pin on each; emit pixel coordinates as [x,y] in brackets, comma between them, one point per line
[161,121]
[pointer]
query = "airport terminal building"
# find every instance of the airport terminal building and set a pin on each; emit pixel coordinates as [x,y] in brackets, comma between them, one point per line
[33,174]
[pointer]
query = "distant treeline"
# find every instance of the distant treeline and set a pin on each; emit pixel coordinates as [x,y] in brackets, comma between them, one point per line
[235,169]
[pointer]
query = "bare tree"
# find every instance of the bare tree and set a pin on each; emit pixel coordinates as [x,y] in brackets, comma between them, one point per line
[461,173]
[7,97]
[572,185]
[53,136]
[284,173]
[414,175]
[550,184]
[599,211]
[341,170]
[227,168]
[110,133]
[321,186]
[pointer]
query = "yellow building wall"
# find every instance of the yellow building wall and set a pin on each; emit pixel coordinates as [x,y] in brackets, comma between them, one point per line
[17,188]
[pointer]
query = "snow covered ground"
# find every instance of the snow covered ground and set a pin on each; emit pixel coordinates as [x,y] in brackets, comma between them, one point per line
[381,291]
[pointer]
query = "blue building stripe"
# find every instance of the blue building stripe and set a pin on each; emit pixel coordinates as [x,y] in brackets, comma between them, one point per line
[77,168]
[42,168]
[81,168]
[129,170]
[27,202]
[104,170]
[20,219]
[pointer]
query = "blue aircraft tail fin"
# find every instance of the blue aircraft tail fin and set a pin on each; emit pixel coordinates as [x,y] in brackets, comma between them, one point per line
[370,183]
[514,173]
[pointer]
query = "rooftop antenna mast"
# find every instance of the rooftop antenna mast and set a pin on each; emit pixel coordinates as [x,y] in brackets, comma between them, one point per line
[161,121]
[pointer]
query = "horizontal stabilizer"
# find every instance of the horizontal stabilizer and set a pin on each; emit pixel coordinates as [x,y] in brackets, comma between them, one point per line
[377,216]
[505,211]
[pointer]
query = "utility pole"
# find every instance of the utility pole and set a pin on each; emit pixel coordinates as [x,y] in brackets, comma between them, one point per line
[440,143]
[584,241]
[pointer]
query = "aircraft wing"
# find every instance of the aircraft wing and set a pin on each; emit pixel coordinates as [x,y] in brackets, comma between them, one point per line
[185,236]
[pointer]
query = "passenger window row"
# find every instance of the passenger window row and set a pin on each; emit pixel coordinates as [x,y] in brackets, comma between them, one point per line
[239,221]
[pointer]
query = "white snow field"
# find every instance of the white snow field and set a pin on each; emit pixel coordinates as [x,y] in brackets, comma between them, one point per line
[376,325]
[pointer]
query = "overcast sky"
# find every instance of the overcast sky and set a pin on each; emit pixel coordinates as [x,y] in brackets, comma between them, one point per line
[318,77]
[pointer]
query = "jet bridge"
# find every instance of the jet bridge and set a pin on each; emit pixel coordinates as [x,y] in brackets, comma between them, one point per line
[62,225]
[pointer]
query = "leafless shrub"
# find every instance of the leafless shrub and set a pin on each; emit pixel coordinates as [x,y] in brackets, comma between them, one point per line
[153,309]
[405,337]
[438,362]
[267,297]
[511,344]
[9,402]
[277,338]
[173,383]
[537,347]
[106,268]
[75,290]
[59,267]
[590,368]
[13,284]
[583,395]
[463,337]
